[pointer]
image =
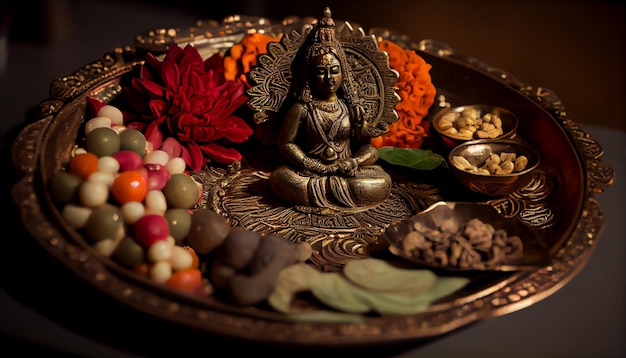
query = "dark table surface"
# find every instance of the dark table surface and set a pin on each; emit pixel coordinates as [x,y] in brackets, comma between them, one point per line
[46,309]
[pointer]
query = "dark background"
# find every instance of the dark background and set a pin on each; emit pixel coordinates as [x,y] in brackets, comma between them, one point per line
[574,48]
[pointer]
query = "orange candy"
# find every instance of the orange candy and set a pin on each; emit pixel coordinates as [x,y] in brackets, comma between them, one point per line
[195,263]
[187,280]
[83,165]
[143,269]
[129,186]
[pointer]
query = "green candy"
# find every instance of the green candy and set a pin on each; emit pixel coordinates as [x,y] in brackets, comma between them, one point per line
[181,191]
[105,222]
[103,141]
[133,139]
[179,221]
[129,253]
[64,185]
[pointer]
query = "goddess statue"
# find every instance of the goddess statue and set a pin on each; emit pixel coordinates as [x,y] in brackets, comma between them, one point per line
[325,131]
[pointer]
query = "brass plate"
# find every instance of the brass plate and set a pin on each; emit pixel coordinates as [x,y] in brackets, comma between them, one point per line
[560,202]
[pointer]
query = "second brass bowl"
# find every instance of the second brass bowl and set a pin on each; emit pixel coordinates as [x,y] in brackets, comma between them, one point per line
[477,152]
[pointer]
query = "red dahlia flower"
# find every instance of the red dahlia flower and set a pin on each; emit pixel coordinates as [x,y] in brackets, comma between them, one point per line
[186,107]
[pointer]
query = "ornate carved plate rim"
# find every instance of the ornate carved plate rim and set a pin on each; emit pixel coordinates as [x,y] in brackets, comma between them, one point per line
[514,293]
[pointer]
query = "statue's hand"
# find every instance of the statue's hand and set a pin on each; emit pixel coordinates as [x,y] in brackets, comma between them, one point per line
[358,113]
[348,166]
[330,168]
[371,131]
[316,166]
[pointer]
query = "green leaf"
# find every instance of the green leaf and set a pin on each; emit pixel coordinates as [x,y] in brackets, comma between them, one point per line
[414,158]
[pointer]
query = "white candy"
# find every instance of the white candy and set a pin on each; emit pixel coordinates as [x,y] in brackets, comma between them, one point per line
[176,165]
[106,246]
[181,258]
[155,202]
[159,251]
[156,157]
[132,211]
[104,178]
[119,129]
[93,193]
[149,147]
[112,112]
[108,164]
[97,122]
[160,271]
[75,215]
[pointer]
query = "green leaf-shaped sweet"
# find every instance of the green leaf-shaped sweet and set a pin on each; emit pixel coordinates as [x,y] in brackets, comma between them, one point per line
[397,303]
[335,291]
[443,287]
[290,281]
[325,316]
[414,158]
[380,275]
[407,302]
[298,278]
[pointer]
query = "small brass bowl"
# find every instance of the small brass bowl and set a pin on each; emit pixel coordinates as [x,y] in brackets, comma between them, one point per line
[480,155]
[454,125]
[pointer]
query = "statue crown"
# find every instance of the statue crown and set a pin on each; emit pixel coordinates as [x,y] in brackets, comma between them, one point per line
[324,33]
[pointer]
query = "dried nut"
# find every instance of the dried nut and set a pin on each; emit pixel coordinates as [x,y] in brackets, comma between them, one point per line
[468,124]
[470,112]
[466,132]
[445,124]
[494,158]
[520,163]
[486,126]
[473,244]
[464,122]
[461,163]
[497,121]
[507,167]
[494,132]
[415,241]
[451,116]
[449,225]
[441,257]
[505,163]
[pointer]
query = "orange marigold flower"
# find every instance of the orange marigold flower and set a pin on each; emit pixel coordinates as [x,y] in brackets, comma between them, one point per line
[417,94]
[242,56]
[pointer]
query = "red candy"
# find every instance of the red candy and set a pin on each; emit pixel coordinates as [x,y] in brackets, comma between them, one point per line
[151,228]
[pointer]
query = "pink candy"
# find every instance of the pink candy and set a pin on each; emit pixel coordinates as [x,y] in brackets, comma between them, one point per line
[128,159]
[157,176]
